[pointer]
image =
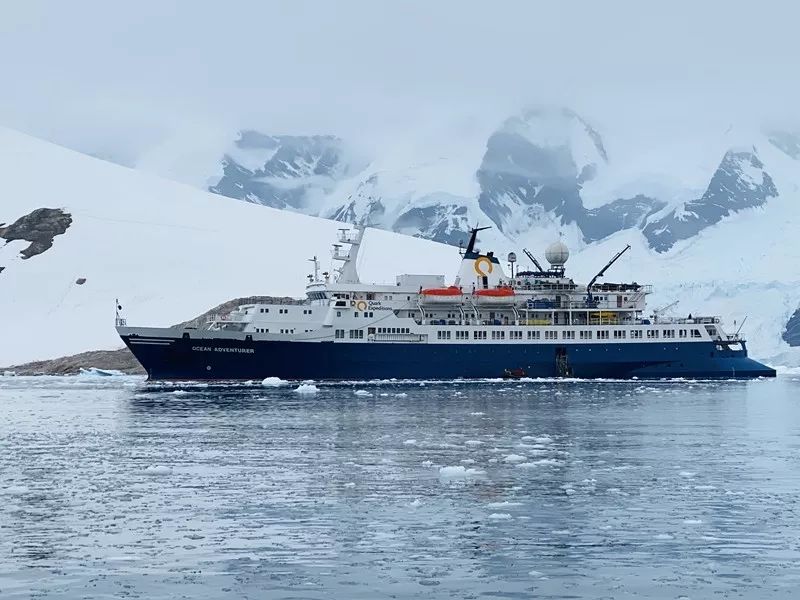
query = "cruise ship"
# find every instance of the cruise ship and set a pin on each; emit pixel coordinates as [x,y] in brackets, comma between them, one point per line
[487,323]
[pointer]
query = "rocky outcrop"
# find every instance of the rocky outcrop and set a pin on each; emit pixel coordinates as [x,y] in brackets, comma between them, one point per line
[282,171]
[740,182]
[39,228]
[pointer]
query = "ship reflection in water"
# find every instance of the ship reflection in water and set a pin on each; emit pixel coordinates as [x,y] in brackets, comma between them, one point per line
[111,487]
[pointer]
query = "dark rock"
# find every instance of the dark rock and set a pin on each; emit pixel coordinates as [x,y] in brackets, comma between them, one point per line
[786,142]
[791,333]
[39,228]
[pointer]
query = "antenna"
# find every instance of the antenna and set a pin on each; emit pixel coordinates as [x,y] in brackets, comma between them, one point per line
[316,268]
[512,258]
[740,326]
[533,260]
[604,269]
[473,237]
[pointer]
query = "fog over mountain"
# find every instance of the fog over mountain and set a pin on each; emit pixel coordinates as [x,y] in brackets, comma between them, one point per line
[163,85]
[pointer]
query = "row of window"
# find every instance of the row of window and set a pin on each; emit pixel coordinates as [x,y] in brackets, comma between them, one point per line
[619,334]
[394,330]
[367,315]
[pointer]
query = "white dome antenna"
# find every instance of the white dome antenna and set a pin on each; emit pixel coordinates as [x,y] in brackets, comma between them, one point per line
[557,254]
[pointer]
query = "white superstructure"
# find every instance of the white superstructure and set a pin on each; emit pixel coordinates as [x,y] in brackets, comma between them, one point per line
[482,305]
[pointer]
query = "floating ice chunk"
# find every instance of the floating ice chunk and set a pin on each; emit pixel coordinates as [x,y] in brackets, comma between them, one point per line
[273,382]
[687,474]
[459,472]
[158,470]
[427,463]
[349,484]
[704,488]
[95,372]
[180,393]
[514,458]
[410,442]
[362,393]
[467,461]
[692,521]
[500,516]
[415,502]
[539,439]
[542,462]
[535,573]
[473,443]
[306,388]
[383,394]
[664,536]
[401,395]
[503,504]
[477,414]
[17,490]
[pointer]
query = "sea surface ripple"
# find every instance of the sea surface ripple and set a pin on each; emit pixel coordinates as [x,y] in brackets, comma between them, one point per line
[111,487]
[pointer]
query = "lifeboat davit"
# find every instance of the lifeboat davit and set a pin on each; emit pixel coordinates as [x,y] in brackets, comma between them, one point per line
[496,296]
[443,295]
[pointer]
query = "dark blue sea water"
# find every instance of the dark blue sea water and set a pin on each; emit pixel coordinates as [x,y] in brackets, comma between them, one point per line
[113,488]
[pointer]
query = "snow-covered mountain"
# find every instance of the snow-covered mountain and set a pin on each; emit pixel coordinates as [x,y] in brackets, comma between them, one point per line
[720,241]
[540,172]
[91,231]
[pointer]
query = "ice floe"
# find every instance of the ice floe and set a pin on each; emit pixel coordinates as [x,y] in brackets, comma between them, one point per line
[459,472]
[503,504]
[273,382]
[306,388]
[158,470]
[514,458]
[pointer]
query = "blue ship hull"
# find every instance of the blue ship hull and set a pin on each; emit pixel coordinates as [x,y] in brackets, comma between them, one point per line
[178,358]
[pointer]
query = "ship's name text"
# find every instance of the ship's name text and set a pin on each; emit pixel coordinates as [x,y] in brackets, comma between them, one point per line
[210,349]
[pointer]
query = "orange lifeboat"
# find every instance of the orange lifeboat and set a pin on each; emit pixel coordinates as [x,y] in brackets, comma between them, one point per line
[498,295]
[443,295]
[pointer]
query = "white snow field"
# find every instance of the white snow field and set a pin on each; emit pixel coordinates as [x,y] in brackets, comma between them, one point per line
[168,251]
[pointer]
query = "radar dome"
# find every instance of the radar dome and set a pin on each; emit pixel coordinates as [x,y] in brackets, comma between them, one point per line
[557,253]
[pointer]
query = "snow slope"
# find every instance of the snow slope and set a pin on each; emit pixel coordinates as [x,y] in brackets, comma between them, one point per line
[168,251]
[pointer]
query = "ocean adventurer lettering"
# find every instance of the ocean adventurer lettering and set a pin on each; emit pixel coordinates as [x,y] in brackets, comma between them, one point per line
[223,349]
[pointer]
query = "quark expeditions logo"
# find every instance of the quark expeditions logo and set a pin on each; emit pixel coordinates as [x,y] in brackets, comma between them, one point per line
[478,266]
[363,305]
[223,349]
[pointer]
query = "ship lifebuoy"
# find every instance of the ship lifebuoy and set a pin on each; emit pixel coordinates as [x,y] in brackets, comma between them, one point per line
[361,305]
[477,265]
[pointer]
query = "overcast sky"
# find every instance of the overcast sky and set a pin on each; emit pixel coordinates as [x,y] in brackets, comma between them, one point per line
[119,77]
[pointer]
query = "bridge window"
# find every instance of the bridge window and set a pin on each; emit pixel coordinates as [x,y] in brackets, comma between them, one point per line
[585,335]
[669,333]
[619,334]
[602,335]
[682,333]
[550,335]
[568,335]
[534,335]
[652,333]
[696,333]
[636,334]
